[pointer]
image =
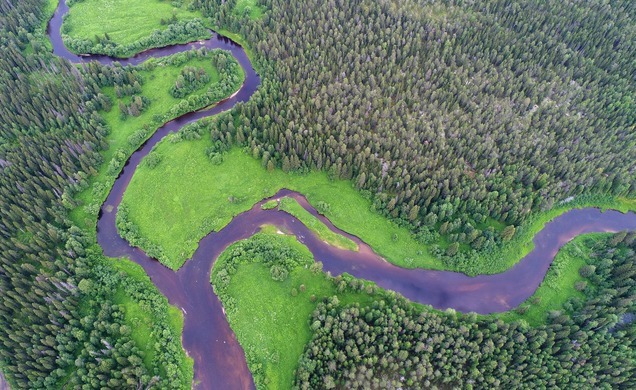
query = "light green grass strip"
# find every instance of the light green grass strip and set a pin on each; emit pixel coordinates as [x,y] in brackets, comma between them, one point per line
[291,206]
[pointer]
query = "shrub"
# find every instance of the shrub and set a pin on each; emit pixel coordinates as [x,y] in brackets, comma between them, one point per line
[279,273]
[587,270]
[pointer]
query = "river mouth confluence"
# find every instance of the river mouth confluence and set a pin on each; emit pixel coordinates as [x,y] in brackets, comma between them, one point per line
[219,361]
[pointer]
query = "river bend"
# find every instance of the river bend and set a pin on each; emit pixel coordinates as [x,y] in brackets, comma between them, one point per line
[219,361]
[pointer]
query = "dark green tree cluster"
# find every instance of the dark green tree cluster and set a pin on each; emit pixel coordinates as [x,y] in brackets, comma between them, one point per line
[451,112]
[393,344]
[189,80]
[126,81]
[46,142]
[18,22]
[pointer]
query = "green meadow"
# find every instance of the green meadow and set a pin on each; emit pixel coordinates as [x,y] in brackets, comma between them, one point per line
[185,196]
[271,317]
[249,7]
[124,21]
[127,134]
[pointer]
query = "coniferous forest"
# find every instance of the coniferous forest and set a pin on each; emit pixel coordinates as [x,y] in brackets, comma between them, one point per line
[391,344]
[461,120]
[62,302]
[449,113]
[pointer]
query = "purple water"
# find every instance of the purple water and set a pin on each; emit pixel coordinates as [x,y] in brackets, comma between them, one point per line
[219,361]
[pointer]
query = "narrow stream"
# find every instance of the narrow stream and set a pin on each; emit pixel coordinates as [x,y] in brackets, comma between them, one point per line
[219,361]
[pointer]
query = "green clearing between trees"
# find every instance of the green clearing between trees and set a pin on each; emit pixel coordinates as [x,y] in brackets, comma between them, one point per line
[124,21]
[270,317]
[251,7]
[186,197]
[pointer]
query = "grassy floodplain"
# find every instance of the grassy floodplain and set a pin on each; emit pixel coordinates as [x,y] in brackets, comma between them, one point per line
[125,135]
[271,317]
[186,197]
[123,21]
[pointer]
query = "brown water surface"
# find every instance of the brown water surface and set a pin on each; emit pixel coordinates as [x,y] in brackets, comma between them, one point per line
[219,361]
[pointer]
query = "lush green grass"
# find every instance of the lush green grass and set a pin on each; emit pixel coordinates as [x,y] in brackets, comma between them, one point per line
[271,323]
[291,206]
[559,283]
[125,21]
[185,197]
[157,84]
[253,9]
[490,222]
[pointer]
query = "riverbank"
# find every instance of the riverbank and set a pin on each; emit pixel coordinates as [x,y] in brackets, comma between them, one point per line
[205,197]
[205,327]
[270,311]
[166,320]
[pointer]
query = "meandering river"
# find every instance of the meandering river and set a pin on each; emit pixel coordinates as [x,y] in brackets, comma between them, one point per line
[219,361]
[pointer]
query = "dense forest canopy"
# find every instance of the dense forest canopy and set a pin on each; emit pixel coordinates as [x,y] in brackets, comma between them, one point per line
[61,323]
[448,112]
